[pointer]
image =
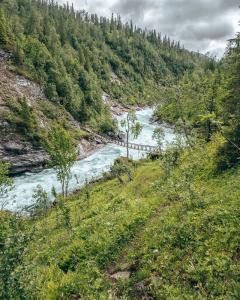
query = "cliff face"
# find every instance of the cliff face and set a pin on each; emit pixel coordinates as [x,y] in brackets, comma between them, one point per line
[13,148]
[23,155]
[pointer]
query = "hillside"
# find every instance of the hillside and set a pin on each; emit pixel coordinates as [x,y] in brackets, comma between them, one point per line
[76,69]
[26,113]
[84,63]
[151,238]
[163,227]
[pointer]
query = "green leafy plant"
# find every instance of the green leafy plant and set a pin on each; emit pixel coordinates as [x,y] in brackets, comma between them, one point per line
[120,168]
[23,118]
[6,184]
[131,127]
[41,204]
[63,154]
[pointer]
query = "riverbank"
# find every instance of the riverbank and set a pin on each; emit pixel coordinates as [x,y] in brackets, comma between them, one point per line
[24,157]
[23,153]
[89,168]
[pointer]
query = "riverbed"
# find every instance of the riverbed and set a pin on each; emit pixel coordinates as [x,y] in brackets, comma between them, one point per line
[88,169]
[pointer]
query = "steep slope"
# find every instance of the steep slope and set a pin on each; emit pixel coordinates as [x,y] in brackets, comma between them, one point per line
[75,68]
[25,113]
[151,238]
[76,57]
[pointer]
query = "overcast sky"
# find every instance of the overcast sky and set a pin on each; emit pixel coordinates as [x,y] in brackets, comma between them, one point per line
[203,25]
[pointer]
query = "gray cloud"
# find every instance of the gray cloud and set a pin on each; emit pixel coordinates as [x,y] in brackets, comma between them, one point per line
[203,25]
[206,31]
[135,9]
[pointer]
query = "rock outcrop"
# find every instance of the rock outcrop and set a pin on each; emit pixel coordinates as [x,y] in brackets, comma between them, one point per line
[22,155]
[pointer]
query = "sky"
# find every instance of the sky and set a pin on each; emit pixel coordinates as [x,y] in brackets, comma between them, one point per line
[203,25]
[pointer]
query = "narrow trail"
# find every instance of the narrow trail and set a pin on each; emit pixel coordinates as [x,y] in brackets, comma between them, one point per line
[121,265]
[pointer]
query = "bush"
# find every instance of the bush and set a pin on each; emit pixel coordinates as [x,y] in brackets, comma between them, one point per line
[6,184]
[41,204]
[24,119]
[120,168]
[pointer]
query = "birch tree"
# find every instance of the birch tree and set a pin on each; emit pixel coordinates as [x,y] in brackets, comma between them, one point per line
[132,127]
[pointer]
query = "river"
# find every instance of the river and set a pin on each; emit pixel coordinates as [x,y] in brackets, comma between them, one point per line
[87,169]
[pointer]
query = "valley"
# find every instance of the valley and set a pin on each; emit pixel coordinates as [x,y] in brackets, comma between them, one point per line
[119,150]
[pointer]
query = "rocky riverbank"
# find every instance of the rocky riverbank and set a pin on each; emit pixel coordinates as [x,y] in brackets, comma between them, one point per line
[22,155]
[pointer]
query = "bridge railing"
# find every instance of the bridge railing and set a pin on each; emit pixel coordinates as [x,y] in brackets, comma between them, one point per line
[134,146]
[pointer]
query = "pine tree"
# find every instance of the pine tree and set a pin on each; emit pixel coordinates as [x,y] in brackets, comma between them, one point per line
[230,153]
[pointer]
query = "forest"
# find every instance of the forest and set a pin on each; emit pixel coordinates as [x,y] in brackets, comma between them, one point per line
[76,56]
[163,227]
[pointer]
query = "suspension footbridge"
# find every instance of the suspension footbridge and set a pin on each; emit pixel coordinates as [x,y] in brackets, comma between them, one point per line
[116,141]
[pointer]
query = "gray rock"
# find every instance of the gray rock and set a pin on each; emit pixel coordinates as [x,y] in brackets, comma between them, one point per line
[4,124]
[14,147]
[22,156]
[4,55]
[123,275]
[32,161]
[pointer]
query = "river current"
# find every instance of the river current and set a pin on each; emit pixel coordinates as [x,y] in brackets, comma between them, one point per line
[88,169]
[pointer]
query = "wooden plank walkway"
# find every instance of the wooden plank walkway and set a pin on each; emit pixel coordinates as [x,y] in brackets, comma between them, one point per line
[146,148]
[140,147]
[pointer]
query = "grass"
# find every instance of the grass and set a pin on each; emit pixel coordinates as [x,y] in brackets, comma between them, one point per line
[178,237]
[74,259]
[190,250]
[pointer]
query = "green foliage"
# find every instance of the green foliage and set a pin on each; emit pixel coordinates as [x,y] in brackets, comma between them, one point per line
[108,125]
[23,119]
[4,33]
[186,221]
[48,110]
[120,168]
[76,56]
[14,239]
[178,216]
[65,212]
[63,154]
[158,136]
[70,258]
[229,153]
[174,225]
[6,184]
[206,101]
[41,202]
[131,127]
[194,104]
[186,246]
[87,194]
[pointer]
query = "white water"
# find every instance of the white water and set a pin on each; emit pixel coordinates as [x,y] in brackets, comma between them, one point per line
[86,169]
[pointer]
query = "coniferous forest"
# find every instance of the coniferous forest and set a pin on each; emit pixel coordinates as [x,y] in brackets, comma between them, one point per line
[163,227]
[73,56]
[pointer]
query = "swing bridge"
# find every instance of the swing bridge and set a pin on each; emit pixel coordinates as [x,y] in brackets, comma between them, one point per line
[110,140]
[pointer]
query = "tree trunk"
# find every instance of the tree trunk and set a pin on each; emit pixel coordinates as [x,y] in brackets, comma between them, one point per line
[127,145]
[63,186]
[66,185]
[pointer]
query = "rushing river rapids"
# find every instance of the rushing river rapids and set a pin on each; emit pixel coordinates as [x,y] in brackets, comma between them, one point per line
[86,169]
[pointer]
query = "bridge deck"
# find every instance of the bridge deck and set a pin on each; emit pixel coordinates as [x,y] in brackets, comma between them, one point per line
[134,146]
[147,148]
